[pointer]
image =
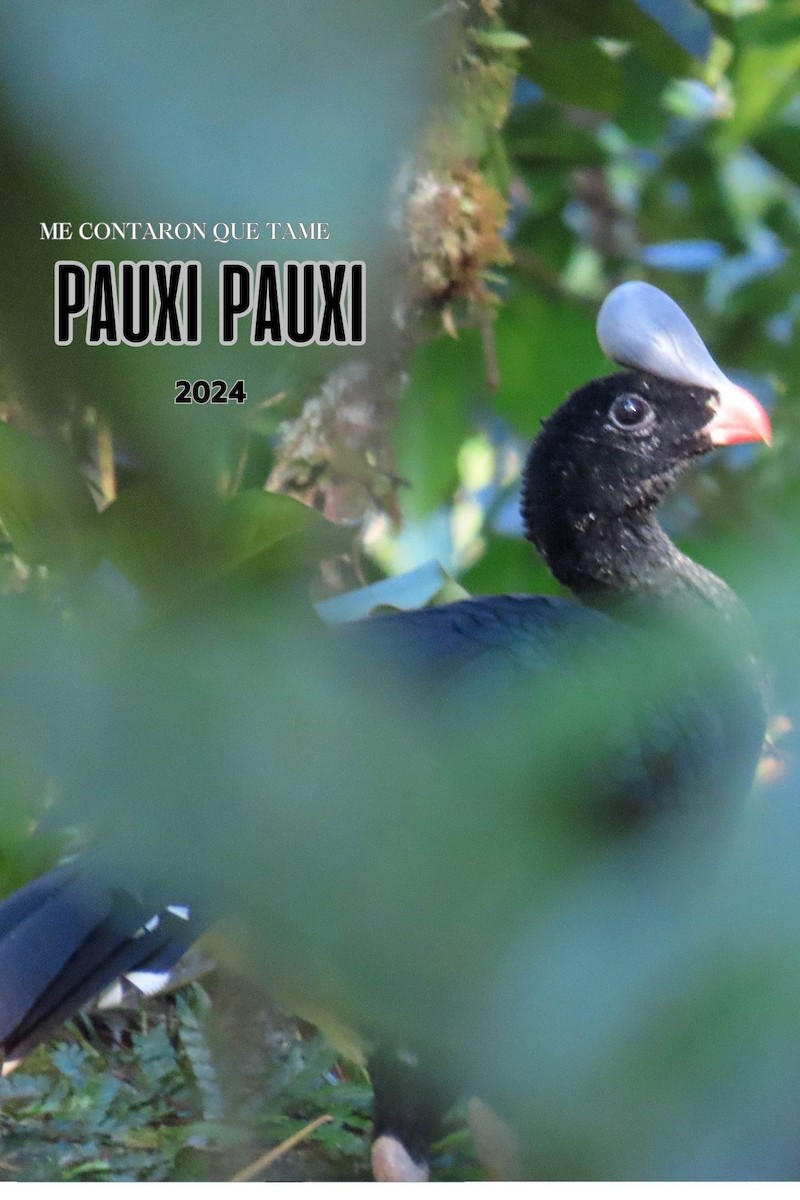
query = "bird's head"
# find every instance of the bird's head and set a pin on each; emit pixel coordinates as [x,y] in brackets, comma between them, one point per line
[615,447]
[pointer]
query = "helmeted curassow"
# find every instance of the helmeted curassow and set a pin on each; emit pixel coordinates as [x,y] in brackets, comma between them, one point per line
[592,483]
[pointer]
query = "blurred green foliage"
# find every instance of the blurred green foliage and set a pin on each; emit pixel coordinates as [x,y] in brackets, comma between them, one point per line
[163,672]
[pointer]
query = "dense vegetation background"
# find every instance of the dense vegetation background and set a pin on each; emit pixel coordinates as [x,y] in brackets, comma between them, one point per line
[499,167]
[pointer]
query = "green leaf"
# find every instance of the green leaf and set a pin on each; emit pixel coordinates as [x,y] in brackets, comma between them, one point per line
[764,77]
[499,39]
[45,504]
[155,1056]
[626,21]
[562,60]
[548,237]
[684,22]
[149,540]
[689,192]
[774,25]
[268,534]
[546,347]
[259,534]
[541,134]
[723,22]
[577,72]
[446,379]
[779,144]
[641,115]
[509,565]
[70,1060]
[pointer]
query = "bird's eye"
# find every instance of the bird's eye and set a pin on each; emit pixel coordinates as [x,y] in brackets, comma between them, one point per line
[630,411]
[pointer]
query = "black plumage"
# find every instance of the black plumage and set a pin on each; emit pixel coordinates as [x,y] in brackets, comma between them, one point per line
[591,487]
[593,481]
[63,938]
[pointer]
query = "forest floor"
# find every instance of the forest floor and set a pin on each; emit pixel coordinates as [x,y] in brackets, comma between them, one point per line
[204,1083]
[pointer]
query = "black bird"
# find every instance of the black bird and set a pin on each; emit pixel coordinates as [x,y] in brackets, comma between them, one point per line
[592,484]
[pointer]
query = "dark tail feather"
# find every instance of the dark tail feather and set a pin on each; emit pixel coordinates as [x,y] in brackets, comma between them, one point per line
[63,938]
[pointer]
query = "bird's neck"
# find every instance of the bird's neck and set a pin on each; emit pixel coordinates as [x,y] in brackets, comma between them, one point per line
[627,562]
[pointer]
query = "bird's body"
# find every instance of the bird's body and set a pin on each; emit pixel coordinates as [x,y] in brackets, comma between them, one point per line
[592,484]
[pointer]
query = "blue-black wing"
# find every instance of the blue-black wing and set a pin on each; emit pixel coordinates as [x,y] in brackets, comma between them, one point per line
[66,936]
[529,633]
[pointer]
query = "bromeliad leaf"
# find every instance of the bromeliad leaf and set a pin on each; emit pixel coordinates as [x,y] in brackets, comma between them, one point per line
[413,589]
